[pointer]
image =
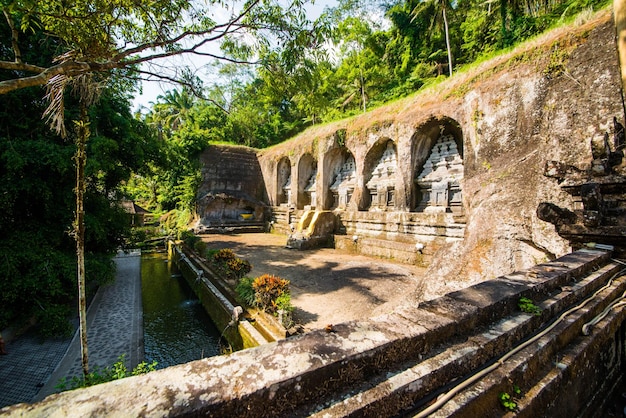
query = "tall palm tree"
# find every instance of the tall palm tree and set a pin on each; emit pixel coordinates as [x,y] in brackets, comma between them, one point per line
[87,91]
[440,7]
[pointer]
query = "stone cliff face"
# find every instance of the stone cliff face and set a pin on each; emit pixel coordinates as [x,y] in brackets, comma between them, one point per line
[516,120]
[544,101]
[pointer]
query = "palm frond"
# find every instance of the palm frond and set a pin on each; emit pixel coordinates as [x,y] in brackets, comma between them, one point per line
[55,112]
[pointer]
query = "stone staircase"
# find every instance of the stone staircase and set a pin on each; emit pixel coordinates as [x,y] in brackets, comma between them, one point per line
[544,363]
[231,227]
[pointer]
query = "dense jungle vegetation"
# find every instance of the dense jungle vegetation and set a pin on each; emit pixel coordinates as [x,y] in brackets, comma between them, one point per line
[355,56]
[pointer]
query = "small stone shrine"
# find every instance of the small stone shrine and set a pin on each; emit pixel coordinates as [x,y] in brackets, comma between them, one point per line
[381,185]
[344,184]
[309,191]
[439,182]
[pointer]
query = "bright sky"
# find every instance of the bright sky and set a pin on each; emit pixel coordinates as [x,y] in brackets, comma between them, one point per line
[153,89]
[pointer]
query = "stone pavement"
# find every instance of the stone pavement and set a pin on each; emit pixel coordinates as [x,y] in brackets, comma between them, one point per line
[33,368]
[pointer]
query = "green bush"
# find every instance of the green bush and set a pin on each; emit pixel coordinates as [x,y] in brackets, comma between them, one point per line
[117,371]
[189,238]
[200,247]
[53,321]
[283,302]
[210,254]
[245,291]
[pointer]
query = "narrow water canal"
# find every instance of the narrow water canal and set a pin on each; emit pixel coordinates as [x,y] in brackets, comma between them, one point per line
[177,329]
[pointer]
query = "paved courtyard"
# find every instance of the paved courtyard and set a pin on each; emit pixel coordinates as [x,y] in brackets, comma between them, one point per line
[327,286]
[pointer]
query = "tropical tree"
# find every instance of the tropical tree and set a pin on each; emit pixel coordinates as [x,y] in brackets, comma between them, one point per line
[97,37]
[352,35]
[437,10]
[172,108]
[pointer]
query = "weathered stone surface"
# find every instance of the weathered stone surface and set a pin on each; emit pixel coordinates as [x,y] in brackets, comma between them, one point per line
[232,188]
[393,362]
[315,229]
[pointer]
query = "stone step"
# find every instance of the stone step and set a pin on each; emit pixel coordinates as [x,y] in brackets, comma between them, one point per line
[417,383]
[232,228]
[558,363]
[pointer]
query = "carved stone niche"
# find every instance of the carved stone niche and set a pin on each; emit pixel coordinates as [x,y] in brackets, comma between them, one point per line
[309,191]
[287,191]
[343,186]
[439,182]
[284,197]
[381,185]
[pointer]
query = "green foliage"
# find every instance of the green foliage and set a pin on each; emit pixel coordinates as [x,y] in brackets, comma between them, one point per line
[53,321]
[117,370]
[176,223]
[245,291]
[527,305]
[200,247]
[283,302]
[37,203]
[507,401]
[189,238]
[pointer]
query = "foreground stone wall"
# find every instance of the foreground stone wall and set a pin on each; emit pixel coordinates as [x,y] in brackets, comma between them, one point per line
[400,362]
[543,101]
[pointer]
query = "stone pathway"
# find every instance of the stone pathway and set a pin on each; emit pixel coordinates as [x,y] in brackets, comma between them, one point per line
[32,369]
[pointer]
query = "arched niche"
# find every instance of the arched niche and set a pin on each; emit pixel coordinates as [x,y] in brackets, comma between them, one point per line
[283,182]
[438,167]
[380,168]
[340,178]
[307,182]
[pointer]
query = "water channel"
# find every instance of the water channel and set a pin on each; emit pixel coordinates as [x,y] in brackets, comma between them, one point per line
[177,329]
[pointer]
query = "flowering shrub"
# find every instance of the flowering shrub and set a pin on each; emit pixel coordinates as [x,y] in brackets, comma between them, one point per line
[228,263]
[267,289]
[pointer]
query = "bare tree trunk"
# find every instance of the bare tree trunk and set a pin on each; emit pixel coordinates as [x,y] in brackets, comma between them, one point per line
[363,99]
[619,14]
[445,24]
[80,159]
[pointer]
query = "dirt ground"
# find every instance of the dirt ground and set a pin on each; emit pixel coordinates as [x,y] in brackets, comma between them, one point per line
[328,286]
